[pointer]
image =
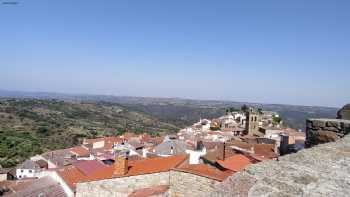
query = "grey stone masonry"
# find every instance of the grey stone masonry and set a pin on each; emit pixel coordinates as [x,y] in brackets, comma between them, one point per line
[320,131]
[120,187]
[320,171]
[184,184]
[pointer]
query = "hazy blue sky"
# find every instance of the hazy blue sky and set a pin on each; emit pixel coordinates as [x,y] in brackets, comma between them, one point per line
[295,52]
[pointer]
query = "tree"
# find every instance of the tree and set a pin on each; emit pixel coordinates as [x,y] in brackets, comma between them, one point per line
[43,130]
[120,131]
[276,119]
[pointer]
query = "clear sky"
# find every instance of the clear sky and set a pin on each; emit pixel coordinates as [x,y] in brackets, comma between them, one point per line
[294,52]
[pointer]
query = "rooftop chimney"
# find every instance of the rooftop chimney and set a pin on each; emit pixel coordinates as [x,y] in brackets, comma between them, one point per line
[121,164]
[222,151]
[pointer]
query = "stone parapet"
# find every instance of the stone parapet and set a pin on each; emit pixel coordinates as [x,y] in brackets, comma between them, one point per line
[121,187]
[323,170]
[186,184]
[320,131]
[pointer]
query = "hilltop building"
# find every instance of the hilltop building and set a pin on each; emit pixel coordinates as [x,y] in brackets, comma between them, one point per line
[252,121]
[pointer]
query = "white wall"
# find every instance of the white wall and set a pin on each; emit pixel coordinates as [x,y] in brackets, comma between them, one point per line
[26,173]
[195,155]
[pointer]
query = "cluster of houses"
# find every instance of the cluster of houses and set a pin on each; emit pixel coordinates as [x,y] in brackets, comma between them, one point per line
[190,163]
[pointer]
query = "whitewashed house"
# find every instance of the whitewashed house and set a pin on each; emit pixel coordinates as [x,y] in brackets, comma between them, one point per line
[28,169]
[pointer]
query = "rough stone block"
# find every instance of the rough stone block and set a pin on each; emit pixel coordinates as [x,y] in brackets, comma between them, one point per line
[320,131]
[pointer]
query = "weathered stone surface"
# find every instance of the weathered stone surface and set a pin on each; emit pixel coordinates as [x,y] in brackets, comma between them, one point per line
[320,131]
[344,113]
[184,184]
[121,186]
[323,170]
[180,184]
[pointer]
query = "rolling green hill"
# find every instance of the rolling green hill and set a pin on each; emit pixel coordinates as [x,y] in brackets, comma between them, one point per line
[34,122]
[31,126]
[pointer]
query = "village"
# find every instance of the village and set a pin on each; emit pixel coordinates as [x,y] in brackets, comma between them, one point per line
[189,163]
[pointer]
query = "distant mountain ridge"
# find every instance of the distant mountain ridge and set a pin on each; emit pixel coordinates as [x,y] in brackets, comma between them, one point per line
[183,112]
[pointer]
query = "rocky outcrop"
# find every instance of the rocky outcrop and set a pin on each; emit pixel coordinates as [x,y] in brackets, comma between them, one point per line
[319,131]
[344,113]
[323,170]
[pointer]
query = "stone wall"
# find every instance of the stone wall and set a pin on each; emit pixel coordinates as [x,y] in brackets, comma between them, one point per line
[186,184]
[320,131]
[120,187]
[323,170]
[344,112]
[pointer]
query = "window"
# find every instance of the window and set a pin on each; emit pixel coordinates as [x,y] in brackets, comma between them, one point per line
[19,176]
[30,171]
[21,170]
[255,118]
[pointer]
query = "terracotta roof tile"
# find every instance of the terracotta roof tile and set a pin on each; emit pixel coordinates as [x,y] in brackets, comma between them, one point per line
[154,165]
[266,150]
[60,157]
[44,186]
[72,175]
[235,163]
[206,171]
[79,151]
[90,166]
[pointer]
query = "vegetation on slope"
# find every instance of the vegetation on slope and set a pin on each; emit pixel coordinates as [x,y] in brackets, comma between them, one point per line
[31,126]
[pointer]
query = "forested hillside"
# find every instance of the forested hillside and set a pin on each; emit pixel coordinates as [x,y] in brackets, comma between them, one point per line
[31,126]
[34,122]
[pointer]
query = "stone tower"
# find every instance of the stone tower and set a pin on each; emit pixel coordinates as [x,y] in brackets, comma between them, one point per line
[252,121]
[121,164]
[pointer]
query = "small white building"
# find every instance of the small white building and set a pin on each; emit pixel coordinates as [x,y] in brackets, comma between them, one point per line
[28,169]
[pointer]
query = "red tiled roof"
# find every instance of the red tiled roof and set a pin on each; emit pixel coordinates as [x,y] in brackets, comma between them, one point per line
[258,157]
[90,166]
[44,186]
[206,171]
[266,150]
[235,163]
[79,151]
[154,165]
[73,175]
[151,191]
